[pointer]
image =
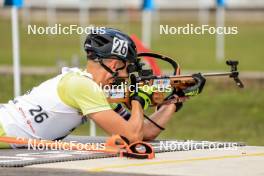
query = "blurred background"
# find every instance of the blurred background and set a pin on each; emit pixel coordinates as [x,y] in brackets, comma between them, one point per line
[222,112]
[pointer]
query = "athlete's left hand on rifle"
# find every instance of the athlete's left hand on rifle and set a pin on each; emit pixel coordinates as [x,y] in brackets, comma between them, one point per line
[177,97]
[197,87]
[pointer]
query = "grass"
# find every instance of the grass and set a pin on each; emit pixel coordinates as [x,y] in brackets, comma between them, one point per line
[230,114]
[219,113]
[191,51]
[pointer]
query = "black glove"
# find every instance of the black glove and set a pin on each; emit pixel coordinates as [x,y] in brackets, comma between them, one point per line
[144,98]
[179,96]
[197,88]
[138,94]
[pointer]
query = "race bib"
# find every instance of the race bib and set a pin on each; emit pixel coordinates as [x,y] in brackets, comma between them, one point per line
[120,47]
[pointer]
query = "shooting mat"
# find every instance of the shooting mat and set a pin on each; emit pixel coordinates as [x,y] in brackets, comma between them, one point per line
[25,157]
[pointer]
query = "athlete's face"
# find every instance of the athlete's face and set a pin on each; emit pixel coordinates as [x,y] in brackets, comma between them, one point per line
[115,65]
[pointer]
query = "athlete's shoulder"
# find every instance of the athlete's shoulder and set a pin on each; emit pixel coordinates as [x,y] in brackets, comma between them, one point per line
[80,82]
[80,91]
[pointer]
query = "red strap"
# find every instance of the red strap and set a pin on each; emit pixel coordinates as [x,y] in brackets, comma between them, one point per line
[141,49]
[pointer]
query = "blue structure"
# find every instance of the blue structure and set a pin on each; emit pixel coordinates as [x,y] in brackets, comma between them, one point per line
[220,3]
[17,3]
[148,5]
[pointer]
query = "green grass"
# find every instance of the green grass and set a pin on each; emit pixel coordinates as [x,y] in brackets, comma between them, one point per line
[198,52]
[230,114]
[220,113]
[191,51]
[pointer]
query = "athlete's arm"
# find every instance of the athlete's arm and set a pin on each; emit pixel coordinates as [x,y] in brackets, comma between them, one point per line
[161,117]
[113,123]
[86,96]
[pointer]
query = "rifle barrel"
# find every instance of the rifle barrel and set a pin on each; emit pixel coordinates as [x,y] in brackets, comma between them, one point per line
[206,74]
[218,74]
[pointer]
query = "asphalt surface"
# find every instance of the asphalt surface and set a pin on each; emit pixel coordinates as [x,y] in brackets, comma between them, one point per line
[247,160]
[57,172]
[241,161]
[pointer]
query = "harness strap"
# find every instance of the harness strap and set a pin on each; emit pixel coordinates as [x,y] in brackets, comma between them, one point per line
[136,150]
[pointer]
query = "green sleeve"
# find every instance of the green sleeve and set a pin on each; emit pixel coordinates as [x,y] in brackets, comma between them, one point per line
[82,93]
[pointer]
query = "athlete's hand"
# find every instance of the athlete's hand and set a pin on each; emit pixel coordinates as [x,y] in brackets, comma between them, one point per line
[177,98]
[143,96]
[197,88]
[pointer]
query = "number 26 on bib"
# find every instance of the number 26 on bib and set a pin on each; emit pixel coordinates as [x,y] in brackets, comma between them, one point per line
[120,47]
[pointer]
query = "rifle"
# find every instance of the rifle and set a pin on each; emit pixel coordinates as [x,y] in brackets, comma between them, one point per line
[175,81]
